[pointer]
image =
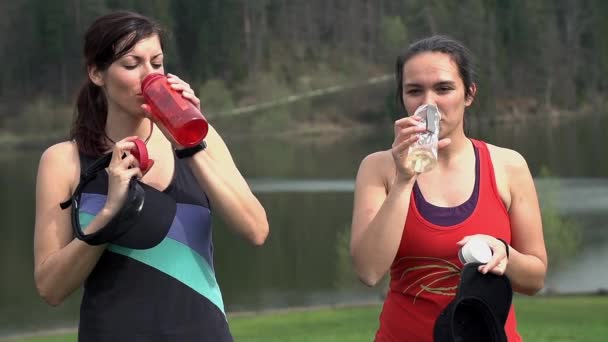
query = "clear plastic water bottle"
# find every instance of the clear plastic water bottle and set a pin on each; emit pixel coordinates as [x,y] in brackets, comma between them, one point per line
[422,154]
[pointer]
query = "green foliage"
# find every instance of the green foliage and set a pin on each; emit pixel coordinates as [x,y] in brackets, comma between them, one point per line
[43,114]
[393,109]
[599,43]
[393,33]
[274,120]
[262,87]
[547,52]
[562,234]
[265,88]
[215,96]
[344,266]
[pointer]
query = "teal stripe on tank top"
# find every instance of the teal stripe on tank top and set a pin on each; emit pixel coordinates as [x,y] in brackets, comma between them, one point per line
[185,265]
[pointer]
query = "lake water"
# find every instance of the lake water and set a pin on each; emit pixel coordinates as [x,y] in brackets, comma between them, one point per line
[306,187]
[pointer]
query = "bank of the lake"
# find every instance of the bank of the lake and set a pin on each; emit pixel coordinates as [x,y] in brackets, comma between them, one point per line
[325,130]
[540,319]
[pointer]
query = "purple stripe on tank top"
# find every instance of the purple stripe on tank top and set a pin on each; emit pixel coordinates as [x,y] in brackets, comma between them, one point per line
[449,216]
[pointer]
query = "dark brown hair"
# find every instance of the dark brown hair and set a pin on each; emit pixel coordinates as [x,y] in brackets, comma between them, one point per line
[109,38]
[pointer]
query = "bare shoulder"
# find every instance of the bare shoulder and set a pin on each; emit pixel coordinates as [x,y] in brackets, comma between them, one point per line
[511,172]
[378,160]
[508,160]
[64,152]
[61,162]
[378,165]
[58,175]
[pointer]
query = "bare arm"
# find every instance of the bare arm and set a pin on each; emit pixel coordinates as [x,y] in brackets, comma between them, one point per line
[62,263]
[378,220]
[216,172]
[228,191]
[527,265]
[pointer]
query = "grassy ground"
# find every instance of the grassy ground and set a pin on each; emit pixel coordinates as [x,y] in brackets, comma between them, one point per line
[540,319]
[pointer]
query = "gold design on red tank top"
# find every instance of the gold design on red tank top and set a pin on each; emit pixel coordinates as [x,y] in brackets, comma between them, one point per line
[444,270]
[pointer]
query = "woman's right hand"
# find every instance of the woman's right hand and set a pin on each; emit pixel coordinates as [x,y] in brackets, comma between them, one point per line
[120,172]
[405,135]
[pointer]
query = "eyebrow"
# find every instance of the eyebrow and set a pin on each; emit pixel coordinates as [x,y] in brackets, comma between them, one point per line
[440,83]
[138,57]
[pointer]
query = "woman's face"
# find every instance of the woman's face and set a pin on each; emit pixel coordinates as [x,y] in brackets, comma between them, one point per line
[433,78]
[122,80]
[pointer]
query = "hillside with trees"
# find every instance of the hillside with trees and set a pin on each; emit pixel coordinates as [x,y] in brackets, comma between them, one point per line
[532,56]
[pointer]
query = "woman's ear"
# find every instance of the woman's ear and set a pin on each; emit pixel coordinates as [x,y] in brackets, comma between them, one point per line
[95,75]
[471,96]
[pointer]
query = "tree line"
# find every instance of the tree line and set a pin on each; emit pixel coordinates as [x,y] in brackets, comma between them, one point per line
[532,54]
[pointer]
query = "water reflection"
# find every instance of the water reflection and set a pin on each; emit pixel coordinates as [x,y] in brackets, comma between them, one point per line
[274,185]
[583,272]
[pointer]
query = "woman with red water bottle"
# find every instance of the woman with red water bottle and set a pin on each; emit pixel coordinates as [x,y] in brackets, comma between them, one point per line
[135,289]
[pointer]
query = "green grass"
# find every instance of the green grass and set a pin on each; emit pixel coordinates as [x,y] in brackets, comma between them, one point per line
[540,319]
[345,324]
[560,319]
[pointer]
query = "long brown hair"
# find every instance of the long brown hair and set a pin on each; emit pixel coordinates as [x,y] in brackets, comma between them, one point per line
[109,38]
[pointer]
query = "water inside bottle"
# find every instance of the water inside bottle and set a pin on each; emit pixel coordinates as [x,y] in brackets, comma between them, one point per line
[420,159]
[422,155]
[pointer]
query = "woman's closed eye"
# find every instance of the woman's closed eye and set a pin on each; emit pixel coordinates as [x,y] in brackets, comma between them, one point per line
[133,66]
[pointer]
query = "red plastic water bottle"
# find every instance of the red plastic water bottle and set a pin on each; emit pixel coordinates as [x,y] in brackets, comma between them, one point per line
[180,117]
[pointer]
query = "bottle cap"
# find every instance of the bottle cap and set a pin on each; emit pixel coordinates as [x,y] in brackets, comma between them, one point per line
[140,152]
[475,250]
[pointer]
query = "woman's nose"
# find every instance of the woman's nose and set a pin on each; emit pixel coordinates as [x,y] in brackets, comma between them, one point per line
[147,70]
[429,98]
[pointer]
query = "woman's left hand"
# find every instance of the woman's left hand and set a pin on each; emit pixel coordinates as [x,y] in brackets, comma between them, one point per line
[498,262]
[183,87]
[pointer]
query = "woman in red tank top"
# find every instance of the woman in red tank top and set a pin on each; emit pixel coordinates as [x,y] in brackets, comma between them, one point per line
[414,224]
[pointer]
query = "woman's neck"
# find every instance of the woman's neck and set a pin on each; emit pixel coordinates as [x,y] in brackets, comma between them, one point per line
[122,125]
[458,147]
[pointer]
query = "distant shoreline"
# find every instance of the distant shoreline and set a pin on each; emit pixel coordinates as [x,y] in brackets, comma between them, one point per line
[316,131]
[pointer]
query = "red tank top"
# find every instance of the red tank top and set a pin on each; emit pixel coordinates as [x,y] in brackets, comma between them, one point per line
[426,269]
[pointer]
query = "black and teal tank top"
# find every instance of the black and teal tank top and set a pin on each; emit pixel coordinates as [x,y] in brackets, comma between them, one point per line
[165,293]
